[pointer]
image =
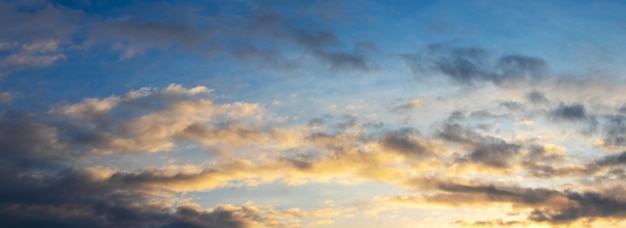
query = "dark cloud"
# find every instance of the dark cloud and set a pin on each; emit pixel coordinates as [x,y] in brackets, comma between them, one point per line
[537,97]
[404,141]
[496,153]
[256,34]
[28,43]
[463,65]
[221,217]
[347,121]
[267,58]
[487,150]
[483,114]
[339,61]
[613,160]
[587,205]
[495,193]
[614,131]
[512,105]
[513,67]
[322,43]
[573,112]
[622,109]
[280,27]
[333,124]
[473,65]
[24,26]
[302,161]
[143,35]
[42,189]
[57,197]
[316,122]
[541,162]
[26,143]
[311,39]
[74,199]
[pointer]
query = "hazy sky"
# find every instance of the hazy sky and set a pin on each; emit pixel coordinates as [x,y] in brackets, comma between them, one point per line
[312,113]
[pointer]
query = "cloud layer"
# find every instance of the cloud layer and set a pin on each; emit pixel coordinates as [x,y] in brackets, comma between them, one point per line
[305,114]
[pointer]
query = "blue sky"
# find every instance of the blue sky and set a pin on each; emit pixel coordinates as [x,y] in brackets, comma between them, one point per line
[312,113]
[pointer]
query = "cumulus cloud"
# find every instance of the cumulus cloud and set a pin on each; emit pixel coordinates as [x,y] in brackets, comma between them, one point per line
[149,124]
[327,150]
[140,159]
[43,188]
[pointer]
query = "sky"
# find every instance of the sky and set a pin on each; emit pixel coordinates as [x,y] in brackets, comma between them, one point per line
[312,113]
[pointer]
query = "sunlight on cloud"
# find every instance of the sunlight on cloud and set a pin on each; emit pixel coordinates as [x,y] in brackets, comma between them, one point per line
[312,114]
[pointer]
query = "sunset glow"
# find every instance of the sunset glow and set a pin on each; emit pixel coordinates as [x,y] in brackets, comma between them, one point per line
[312,113]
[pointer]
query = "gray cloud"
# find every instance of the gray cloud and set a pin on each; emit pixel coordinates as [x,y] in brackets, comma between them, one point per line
[39,189]
[513,67]
[483,114]
[496,153]
[21,26]
[512,105]
[472,65]
[347,121]
[334,124]
[486,150]
[573,112]
[6,97]
[27,42]
[315,122]
[322,44]
[613,160]
[141,36]
[404,141]
[502,194]
[622,109]
[26,143]
[339,61]
[537,97]
[588,205]
[614,131]
[190,217]
[542,163]
[178,29]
